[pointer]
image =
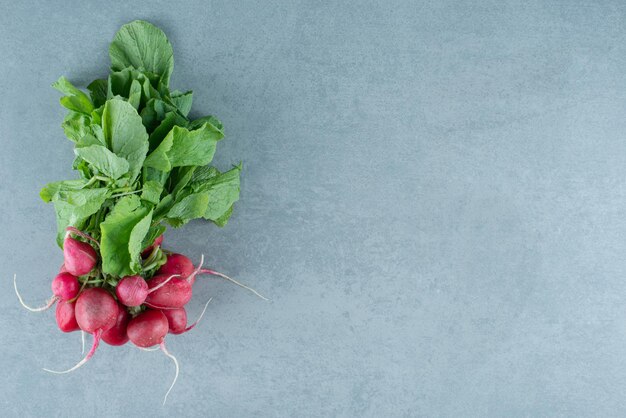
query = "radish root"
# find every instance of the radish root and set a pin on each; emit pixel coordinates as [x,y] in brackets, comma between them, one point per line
[96,342]
[47,306]
[167,353]
[160,285]
[82,337]
[223,276]
[190,327]
[149,349]
[197,270]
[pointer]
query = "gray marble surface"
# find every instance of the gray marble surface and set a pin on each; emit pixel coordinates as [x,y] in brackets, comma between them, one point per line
[433,198]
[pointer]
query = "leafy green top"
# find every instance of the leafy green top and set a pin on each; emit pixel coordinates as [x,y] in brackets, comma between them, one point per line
[142,162]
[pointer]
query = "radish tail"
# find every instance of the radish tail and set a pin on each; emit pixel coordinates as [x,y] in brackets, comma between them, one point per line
[223,276]
[197,270]
[80,233]
[157,287]
[96,342]
[167,353]
[82,337]
[190,327]
[48,304]
[149,349]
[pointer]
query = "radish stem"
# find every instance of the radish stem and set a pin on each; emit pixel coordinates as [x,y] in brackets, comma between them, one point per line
[71,229]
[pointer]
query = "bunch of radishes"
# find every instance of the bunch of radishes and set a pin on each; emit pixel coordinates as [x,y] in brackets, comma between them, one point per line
[136,309]
[143,165]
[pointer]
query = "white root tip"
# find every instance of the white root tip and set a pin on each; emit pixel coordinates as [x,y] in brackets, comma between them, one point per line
[82,337]
[48,304]
[162,345]
[149,349]
[223,276]
[96,342]
[157,287]
[190,327]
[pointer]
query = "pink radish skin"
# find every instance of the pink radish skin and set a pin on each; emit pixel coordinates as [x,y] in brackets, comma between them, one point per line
[66,317]
[132,290]
[177,319]
[96,311]
[173,294]
[65,286]
[62,269]
[148,329]
[177,264]
[80,257]
[157,243]
[116,335]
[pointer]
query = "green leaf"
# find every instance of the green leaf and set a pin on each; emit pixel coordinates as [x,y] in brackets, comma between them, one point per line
[179,178]
[171,119]
[223,220]
[206,119]
[73,207]
[154,112]
[152,191]
[194,147]
[134,96]
[89,139]
[143,46]
[104,160]
[182,101]
[98,91]
[158,158]
[163,207]
[74,99]
[124,134]
[188,208]
[223,191]
[75,125]
[122,234]
[153,233]
[50,190]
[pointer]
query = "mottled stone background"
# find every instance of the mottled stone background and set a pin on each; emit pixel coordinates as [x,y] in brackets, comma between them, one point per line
[434,198]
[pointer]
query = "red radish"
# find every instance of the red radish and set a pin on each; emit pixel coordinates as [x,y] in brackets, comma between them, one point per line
[177,319]
[157,243]
[66,317]
[96,312]
[80,257]
[65,286]
[147,329]
[62,269]
[132,290]
[117,334]
[177,264]
[168,292]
